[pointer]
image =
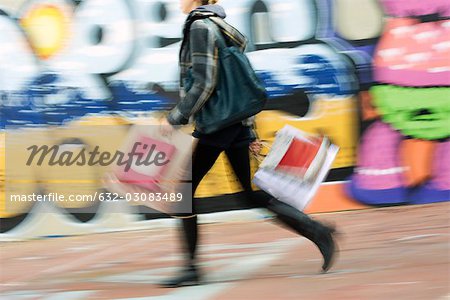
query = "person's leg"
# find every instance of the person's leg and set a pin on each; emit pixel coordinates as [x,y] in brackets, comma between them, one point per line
[203,159]
[318,233]
[299,222]
[240,162]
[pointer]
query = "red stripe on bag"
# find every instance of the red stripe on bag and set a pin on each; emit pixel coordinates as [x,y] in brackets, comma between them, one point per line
[299,157]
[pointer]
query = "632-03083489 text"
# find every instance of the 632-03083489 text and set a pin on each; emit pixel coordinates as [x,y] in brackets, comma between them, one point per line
[129,197]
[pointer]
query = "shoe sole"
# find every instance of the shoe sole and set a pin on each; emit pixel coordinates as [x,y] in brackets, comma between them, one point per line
[184,284]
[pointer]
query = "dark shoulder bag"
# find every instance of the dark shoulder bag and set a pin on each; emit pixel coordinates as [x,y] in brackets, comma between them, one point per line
[239,93]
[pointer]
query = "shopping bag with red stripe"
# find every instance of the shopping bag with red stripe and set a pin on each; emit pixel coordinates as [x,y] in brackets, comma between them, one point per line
[295,167]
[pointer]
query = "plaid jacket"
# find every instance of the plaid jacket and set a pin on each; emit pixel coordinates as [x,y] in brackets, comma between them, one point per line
[199,51]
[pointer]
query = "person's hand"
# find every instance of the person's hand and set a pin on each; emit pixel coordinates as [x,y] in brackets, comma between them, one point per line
[255,147]
[165,127]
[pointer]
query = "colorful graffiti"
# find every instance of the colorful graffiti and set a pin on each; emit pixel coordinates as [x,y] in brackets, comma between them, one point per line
[66,59]
[411,96]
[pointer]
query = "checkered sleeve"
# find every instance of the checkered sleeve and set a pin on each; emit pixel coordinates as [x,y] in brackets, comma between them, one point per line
[204,57]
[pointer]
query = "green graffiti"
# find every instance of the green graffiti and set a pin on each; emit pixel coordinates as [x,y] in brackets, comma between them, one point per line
[422,113]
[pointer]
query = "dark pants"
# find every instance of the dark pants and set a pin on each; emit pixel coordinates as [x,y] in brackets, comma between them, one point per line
[204,158]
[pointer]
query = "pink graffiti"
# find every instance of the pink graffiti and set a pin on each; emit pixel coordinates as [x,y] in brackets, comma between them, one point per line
[441,167]
[378,159]
[402,8]
[411,53]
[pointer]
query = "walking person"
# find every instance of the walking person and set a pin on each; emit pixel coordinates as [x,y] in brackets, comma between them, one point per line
[199,55]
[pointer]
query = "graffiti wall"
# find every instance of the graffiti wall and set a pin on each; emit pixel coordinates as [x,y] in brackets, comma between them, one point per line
[67,64]
[403,153]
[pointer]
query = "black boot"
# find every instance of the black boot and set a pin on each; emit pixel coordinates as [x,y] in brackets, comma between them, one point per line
[190,274]
[187,277]
[318,233]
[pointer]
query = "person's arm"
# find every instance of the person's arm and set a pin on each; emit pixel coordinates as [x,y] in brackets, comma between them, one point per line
[204,56]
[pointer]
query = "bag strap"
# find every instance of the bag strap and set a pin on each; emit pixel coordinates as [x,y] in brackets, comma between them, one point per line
[218,33]
[260,157]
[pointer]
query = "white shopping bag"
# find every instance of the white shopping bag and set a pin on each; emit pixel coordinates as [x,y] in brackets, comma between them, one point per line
[288,185]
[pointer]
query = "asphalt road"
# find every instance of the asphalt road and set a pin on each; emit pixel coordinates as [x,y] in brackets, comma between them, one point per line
[389,253]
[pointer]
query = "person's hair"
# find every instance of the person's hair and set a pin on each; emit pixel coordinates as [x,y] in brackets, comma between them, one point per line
[205,2]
